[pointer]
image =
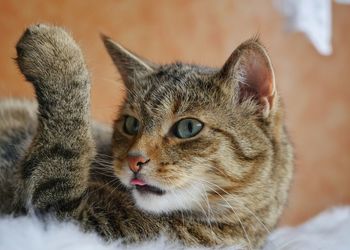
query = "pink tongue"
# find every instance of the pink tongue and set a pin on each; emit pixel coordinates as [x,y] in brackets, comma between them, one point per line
[137,182]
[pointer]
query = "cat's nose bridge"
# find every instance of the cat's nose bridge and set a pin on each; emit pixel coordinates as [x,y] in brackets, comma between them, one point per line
[147,146]
[144,143]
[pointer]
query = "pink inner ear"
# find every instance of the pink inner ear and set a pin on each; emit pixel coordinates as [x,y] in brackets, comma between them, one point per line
[258,78]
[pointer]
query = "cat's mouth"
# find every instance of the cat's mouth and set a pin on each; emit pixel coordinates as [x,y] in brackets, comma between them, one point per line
[144,188]
[150,189]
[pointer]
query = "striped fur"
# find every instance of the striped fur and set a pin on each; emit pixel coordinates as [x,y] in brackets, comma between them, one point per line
[225,186]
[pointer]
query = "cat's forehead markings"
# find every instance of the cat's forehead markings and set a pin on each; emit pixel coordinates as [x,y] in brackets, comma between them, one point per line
[168,94]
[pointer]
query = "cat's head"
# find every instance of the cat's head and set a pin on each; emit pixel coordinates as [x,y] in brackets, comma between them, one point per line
[195,138]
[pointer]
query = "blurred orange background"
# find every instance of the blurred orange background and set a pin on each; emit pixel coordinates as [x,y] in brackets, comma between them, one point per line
[316,89]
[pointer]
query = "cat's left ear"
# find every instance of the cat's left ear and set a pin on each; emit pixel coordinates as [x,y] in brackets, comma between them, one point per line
[249,71]
[130,66]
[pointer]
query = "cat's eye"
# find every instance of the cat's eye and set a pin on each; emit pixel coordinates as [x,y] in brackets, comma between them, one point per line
[131,125]
[187,128]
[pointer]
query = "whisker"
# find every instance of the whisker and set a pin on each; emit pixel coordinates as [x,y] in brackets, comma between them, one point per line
[102,186]
[240,221]
[241,204]
[104,155]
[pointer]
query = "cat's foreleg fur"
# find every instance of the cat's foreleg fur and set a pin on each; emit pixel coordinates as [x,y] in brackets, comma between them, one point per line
[55,169]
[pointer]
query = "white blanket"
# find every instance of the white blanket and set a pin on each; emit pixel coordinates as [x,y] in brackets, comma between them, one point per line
[329,230]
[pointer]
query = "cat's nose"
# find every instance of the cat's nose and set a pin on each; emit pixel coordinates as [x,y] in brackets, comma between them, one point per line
[136,162]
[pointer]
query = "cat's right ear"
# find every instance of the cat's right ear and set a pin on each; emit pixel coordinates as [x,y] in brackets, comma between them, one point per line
[130,66]
[249,74]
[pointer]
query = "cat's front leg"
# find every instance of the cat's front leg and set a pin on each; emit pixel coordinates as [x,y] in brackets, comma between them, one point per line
[56,167]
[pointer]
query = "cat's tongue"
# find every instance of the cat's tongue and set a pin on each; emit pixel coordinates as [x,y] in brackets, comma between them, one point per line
[137,182]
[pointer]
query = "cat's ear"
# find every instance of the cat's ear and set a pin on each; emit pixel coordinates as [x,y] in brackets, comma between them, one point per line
[130,66]
[250,71]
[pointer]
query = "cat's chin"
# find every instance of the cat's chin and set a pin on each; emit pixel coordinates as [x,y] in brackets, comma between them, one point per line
[159,201]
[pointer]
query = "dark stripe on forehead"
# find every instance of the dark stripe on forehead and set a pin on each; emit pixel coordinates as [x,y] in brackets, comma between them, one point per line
[159,95]
[174,73]
[161,90]
[136,99]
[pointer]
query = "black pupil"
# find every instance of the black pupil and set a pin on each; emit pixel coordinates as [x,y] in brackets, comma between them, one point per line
[190,127]
[135,125]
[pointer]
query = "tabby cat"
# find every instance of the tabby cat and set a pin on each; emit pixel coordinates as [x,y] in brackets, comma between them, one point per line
[197,154]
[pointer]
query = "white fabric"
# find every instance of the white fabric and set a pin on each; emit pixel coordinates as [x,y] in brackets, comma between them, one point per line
[329,230]
[312,17]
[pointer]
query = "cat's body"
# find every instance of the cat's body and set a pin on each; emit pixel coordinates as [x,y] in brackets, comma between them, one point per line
[199,158]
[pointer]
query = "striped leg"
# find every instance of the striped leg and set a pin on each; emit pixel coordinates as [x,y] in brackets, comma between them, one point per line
[56,167]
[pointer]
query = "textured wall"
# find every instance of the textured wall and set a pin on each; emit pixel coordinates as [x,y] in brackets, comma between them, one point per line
[316,89]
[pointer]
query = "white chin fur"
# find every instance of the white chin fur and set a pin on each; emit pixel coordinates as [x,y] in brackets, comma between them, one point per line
[188,199]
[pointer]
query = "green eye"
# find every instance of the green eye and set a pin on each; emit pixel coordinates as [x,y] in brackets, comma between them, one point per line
[131,125]
[187,128]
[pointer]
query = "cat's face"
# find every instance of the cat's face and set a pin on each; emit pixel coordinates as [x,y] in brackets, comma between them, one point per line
[188,139]
[173,119]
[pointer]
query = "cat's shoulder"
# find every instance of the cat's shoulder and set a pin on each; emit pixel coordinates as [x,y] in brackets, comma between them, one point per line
[15,113]
[21,115]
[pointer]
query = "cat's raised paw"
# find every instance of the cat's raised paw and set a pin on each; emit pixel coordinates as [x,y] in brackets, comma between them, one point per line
[48,53]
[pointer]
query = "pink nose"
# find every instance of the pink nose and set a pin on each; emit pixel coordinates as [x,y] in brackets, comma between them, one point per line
[136,162]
